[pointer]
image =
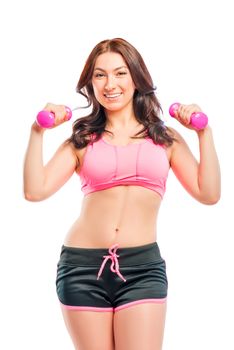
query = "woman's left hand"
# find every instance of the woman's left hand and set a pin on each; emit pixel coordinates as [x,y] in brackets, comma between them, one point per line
[184,112]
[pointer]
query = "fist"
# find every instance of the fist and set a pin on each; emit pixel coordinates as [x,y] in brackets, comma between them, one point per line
[59,112]
[184,112]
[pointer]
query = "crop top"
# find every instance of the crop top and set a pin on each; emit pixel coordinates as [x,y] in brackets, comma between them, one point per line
[140,164]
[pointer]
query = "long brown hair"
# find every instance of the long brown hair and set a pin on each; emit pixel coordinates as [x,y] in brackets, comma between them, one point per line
[145,103]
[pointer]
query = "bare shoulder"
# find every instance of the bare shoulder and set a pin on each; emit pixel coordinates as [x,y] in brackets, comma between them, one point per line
[68,147]
[67,152]
[77,153]
[176,135]
[180,153]
[178,141]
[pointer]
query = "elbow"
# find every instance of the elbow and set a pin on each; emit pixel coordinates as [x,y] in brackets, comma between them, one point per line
[33,197]
[211,200]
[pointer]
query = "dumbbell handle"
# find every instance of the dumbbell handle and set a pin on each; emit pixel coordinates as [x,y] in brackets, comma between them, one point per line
[45,119]
[198,119]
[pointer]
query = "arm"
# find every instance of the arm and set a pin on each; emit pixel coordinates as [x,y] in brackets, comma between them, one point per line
[41,181]
[201,179]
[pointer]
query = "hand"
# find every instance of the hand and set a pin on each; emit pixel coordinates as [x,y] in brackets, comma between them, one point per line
[184,112]
[53,115]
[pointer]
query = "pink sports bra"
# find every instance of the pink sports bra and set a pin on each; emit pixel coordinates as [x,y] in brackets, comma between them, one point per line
[140,164]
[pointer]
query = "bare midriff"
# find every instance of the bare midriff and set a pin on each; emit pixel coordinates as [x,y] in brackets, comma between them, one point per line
[123,214]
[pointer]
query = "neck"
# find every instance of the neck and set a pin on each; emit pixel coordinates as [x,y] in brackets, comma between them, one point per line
[121,119]
[117,121]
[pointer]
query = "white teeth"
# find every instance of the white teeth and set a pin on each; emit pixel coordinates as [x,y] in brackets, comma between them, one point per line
[112,96]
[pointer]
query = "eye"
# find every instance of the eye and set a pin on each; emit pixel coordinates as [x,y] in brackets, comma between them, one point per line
[121,73]
[99,75]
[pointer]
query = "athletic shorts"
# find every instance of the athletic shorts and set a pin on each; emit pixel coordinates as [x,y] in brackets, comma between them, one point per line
[110,279]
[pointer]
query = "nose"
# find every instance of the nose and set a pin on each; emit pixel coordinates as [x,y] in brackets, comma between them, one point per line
[110,83]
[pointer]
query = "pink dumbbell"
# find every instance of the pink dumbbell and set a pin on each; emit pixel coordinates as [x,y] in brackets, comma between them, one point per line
[46,119]
[199,120]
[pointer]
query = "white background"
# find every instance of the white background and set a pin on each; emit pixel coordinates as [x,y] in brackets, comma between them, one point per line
[188,48]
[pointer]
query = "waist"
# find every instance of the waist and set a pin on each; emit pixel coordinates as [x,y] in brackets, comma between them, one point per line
[130,256]
[85,234]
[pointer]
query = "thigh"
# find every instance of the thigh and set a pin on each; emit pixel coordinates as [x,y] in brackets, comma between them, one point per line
[90,330]
[140,327]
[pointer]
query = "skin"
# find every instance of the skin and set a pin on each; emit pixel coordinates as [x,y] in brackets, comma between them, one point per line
[130,211]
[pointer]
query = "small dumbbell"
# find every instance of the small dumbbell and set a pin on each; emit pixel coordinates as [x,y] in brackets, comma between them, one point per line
[45,119]
[198,119]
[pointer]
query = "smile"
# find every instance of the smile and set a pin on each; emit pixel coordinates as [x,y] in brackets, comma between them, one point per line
[112,96]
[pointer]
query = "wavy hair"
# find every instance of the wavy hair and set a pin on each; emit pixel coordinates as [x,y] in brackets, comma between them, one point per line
[145,103]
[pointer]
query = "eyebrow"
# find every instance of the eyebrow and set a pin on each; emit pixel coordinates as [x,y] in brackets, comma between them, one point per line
[103,70]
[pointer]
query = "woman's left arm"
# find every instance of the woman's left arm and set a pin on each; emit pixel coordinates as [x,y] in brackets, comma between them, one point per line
[201,179]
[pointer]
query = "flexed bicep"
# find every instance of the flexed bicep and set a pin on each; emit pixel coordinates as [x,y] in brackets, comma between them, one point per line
[41,181]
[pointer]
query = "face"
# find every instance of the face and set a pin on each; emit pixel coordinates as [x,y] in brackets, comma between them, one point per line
[112,82]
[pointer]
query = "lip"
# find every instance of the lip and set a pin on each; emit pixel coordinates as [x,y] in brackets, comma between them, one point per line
[109,98]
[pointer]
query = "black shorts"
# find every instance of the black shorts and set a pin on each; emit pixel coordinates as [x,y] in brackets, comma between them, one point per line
[107,280]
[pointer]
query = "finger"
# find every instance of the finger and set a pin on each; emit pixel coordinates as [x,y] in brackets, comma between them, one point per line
[60,114]
[187,115]
[179,113]
[184,113]
[50,107]
[193,108]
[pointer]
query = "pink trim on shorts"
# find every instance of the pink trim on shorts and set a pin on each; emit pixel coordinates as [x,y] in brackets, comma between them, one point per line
[104,309]
[142,301]
[87,308]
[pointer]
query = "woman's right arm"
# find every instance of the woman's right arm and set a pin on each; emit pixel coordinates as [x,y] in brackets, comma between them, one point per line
[41,181]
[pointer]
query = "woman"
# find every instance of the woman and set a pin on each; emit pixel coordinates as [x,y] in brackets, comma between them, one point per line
[111,279]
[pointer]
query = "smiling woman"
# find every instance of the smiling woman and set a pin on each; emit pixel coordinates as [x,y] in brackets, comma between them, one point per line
[111,278]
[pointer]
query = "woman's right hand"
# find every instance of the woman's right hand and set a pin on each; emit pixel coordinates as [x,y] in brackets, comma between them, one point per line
[60,115]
